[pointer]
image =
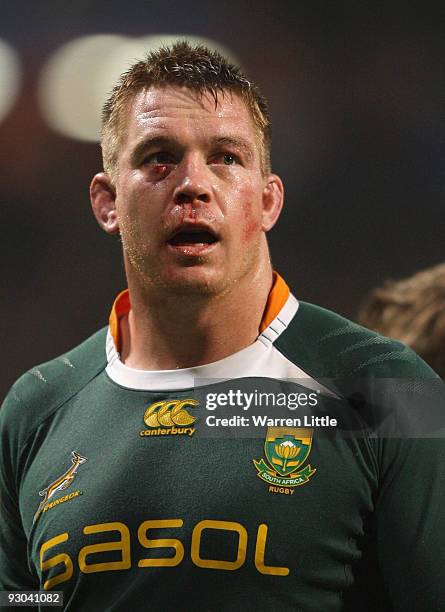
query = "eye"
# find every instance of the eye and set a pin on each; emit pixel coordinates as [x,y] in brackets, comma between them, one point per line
[226,159]
[161,158]
[229,159]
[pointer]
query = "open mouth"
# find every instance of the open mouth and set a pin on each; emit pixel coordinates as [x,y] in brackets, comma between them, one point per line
[190,238]
[186,237]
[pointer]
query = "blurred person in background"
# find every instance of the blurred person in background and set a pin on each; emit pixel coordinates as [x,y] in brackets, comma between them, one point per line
[411,310]
[108,490]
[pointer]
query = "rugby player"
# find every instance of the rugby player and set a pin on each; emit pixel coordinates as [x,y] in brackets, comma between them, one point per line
[109,492]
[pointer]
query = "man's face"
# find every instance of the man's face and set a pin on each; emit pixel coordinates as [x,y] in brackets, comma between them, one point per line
[190,194]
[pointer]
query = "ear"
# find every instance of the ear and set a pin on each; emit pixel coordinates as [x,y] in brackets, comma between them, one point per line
[273,198]
[103,201]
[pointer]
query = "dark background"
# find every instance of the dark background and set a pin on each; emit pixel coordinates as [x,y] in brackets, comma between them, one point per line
[357,99]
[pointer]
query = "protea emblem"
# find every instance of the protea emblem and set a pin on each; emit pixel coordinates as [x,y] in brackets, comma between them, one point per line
[286,449]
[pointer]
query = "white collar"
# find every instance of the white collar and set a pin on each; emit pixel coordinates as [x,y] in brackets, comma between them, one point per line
[256,360]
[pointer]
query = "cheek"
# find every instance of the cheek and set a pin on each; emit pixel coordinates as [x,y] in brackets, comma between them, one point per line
[251,226]
[250,221]
[136,207]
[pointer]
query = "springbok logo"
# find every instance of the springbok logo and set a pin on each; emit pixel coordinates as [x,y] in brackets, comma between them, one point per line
[169,417]
[61,483]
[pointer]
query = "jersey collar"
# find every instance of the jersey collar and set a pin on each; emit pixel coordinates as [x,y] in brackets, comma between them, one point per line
[260,358]
[276,300]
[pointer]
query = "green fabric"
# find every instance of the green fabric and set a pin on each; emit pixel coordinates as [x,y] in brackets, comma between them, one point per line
[365,532]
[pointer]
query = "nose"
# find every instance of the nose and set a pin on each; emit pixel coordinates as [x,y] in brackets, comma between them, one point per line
[193,185]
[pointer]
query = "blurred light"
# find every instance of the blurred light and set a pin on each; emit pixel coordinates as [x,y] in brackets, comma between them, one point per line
[69,97]
[78,78]
[10,74]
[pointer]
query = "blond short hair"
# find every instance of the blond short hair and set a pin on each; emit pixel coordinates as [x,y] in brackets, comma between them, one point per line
[411,310]
[195,67]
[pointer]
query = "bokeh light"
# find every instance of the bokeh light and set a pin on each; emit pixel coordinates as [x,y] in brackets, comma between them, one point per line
[70,83]
[78,77]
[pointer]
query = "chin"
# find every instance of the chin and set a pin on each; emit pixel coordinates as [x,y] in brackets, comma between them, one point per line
[197,281]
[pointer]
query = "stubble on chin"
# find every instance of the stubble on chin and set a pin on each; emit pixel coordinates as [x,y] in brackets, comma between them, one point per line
[186,280]
[150,275]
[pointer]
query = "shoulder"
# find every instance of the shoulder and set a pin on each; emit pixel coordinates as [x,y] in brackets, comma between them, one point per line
[326,344]
[46,387]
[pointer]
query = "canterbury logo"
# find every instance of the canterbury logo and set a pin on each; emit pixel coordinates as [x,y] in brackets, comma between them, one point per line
[168,413]
[61,483]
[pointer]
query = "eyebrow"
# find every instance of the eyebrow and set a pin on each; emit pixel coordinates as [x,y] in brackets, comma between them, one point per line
[238,143]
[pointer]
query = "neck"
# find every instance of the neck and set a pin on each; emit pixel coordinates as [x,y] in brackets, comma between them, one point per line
[165,331]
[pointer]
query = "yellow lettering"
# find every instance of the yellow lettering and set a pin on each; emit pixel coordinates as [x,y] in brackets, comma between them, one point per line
[53,561]
[218,563]
[161,543]
[123,545]
[259,555]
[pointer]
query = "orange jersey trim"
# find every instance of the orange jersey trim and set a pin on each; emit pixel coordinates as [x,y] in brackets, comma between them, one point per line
[121,307]
[277,298]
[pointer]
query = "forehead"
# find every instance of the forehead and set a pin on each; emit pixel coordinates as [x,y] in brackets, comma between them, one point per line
[183,110]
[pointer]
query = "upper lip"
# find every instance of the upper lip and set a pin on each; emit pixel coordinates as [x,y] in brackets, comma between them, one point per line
[193,227]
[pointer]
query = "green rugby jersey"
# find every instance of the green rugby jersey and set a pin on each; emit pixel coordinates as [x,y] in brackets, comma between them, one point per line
[112,491]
